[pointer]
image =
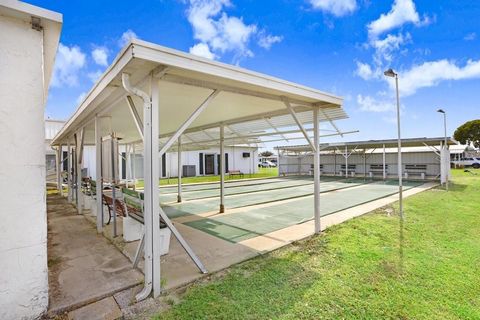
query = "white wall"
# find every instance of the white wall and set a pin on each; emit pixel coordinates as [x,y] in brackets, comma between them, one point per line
[23,227]
[235,160]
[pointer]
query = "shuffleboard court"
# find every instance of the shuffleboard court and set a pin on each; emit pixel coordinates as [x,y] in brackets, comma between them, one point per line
[228,184]
[260,196]
[254,221]
[211,193]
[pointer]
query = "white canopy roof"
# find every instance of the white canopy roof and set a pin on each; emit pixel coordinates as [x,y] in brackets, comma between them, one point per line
[249,104]
[413,144]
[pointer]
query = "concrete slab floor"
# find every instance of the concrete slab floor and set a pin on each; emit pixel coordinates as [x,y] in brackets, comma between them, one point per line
[105,309]
[83,266]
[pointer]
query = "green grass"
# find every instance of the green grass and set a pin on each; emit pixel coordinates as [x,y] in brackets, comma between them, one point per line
[262,173]
[362,269]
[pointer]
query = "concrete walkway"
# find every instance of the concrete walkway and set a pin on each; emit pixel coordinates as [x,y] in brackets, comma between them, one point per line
[84,267]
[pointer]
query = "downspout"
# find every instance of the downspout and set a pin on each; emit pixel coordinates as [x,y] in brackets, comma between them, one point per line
[148,286]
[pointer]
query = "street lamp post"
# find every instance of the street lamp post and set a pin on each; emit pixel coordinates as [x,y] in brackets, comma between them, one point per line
[390,73]
[445,141]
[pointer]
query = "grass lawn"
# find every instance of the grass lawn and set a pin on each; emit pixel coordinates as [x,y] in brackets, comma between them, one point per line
[356,271]
[262,173]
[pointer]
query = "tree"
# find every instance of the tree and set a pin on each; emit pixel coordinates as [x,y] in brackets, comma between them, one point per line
[266,154]
[469,132]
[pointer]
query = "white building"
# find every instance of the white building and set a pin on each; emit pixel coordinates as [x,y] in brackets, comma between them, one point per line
[29,39]
[194,162]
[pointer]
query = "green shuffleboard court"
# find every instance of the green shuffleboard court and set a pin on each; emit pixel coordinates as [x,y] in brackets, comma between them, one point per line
[258,195]
[252,222]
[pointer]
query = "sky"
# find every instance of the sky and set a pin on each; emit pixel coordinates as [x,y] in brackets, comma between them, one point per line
[337,46]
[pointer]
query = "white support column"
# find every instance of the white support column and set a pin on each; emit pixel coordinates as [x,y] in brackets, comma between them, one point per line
[364,164]
[179,169]
[334,163]
[79,153]
[58,164]
[134,162]
[384,166]
[98,174]
[69,172]
[316,172]
[222,169]
[346,162]
[154,186]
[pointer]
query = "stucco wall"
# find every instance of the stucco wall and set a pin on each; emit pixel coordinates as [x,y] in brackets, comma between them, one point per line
[23,227]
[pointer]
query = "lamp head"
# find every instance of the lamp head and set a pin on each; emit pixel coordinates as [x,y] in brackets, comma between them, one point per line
[441,111]
[390,73]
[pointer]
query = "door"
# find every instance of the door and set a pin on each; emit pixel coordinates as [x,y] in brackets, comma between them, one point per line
[209,164]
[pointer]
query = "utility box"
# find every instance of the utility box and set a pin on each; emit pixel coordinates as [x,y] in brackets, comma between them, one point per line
[189,171]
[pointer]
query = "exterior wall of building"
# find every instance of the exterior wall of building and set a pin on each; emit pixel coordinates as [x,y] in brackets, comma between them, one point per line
[236,161]
[303,164]
[23,227]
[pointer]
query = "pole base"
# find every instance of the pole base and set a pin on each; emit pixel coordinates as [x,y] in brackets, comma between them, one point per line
[179,198]
[222,208]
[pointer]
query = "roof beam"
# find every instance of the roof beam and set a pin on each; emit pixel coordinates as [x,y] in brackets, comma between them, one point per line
[299,124]
[135,115]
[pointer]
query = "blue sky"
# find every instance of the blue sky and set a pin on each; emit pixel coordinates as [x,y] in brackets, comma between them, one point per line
[338,46]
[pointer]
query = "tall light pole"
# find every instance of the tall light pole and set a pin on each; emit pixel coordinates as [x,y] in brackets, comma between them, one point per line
[390,73]
[445,141]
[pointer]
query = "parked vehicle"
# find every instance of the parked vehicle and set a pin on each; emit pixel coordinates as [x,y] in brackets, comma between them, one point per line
[468,162]
[267,164]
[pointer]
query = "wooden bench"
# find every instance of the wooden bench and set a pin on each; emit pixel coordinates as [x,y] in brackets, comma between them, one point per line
[416,169]
[232,173]
[377,169]
[119,207]
[133,201]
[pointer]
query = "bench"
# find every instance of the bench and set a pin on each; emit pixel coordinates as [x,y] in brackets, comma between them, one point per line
[119,207]
[377,169]
[416,169]
[351,170]
[232,173]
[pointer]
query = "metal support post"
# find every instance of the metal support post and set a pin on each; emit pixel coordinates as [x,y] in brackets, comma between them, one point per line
[79,156]
[98,174]
[384,166]
[222,169]
[58,164]
[179,169]
[316,172]
[69,172]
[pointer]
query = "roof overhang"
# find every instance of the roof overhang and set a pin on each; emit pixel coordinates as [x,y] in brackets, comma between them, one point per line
[371,144]
[48,21]
[248,102]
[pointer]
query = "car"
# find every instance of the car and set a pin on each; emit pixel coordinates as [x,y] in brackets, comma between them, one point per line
[468,162]
[267,164]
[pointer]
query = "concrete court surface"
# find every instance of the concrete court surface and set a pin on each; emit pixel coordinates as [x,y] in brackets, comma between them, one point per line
[83,266]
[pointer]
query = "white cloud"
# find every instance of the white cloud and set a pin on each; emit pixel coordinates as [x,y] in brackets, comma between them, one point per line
[470,37]
[100,56]
[384,48]
[267,40]
[336,7]
[364,71]
[370,104]
[202,50]
[69,61]
[431,73]
[126,37]
[94,76]
[219,32]
[403,11]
